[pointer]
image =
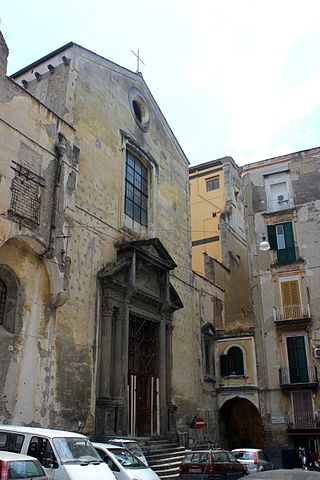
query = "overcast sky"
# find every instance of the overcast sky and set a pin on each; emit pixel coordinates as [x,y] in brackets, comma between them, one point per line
[232,77]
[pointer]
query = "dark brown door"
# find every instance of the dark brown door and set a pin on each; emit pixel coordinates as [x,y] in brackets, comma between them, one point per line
[143,377]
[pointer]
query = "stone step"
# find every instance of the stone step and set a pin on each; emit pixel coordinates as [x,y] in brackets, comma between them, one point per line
[173,459]
[162,451]
[165,466]
[165,460]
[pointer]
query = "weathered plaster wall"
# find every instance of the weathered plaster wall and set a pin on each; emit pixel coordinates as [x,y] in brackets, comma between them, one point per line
[98,96]
[28,134]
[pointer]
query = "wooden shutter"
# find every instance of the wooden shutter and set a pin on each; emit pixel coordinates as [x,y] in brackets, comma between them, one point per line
[303,410]
[287,254]
[298,367]
[291,299]
[272,237]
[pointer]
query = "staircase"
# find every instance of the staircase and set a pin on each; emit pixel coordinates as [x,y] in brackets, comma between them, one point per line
[164,457]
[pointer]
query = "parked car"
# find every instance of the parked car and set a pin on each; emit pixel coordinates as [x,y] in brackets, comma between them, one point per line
[124,464]
[132,446]
[208,464]
[63,455]
[254,459]
[16,465]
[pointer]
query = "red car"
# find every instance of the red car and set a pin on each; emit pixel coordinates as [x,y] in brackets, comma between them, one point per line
[210,465]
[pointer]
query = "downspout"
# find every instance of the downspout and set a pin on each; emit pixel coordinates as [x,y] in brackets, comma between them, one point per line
[60,149]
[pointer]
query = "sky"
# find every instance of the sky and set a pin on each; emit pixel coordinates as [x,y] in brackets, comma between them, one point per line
[232,77]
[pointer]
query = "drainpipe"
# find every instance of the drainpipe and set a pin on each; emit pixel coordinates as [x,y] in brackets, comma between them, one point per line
[60,148]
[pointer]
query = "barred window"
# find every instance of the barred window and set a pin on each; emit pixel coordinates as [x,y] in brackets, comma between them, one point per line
[136,190]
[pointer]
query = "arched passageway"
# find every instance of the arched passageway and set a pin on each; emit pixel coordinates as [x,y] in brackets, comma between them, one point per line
[240,425]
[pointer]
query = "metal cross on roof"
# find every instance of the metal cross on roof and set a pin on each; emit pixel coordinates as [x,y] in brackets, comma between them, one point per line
[138,60]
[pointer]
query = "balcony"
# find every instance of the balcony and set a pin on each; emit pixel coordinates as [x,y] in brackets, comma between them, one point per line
[292,314]
[298,377]
[302,421]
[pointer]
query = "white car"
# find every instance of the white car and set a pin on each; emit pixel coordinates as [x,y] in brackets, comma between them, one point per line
[63,455]
[255,459]
[124,464]
[131,445]
[16,465]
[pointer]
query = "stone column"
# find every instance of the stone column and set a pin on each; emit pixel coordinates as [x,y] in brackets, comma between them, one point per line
[117,360]
[123,378]
[105,352]
[162,377]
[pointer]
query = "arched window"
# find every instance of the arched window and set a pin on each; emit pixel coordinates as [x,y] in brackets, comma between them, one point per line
[208,352]
[3,301]
[232,363]
[10,315]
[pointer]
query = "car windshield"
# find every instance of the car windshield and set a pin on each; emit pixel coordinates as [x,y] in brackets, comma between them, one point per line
[134,448]
[76,450]
[126,458]
[27,469]
[243,455]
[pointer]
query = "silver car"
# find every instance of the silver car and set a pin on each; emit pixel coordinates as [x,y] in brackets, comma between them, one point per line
[124,464]
[16,465]
[255,459]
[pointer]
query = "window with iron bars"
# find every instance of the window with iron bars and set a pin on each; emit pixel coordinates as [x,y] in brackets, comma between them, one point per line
[136,190]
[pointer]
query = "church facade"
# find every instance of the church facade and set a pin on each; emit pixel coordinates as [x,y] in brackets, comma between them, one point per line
[114,324]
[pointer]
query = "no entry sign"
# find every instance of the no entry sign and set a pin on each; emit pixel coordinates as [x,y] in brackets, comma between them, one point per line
[200,423]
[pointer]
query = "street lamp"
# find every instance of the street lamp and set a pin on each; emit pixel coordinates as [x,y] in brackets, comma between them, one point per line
[264,245]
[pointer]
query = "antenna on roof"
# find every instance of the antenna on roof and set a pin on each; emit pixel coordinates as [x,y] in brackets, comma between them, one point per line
[138,60]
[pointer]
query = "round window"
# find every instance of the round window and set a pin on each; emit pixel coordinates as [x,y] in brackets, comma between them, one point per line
[140,109]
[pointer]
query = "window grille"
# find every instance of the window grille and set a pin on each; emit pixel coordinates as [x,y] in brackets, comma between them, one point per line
[136,190]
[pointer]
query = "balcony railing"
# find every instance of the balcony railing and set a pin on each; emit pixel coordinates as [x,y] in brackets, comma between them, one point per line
[291,312]
[298,376]
[302,420]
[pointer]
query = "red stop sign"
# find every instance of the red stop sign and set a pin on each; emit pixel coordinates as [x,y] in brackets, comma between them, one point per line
[200,423]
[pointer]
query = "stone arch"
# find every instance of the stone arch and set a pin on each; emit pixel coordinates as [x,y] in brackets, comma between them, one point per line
[59,294]
[24,339]
[235,429]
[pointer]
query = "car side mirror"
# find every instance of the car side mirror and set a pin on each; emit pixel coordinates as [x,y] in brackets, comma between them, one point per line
[50,463]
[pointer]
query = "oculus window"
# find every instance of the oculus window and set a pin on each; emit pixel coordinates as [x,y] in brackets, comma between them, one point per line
[136,190]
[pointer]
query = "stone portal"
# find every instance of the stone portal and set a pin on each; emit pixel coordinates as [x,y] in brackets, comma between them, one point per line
[137,306]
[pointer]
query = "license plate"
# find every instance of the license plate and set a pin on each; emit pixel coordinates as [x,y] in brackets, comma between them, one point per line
[195,470]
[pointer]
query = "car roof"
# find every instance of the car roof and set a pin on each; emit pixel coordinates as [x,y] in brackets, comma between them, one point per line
[40,431]
[14,456]
[252,450]
[206,450]
[122,440]
[109,446]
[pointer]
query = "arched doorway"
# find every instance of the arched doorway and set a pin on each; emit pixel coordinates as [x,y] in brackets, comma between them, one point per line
[240,424]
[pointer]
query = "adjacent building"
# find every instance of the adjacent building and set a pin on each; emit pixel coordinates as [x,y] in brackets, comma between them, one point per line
[220,253]
[282,207]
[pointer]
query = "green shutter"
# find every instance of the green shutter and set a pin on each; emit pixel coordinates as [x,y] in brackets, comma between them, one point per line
[288,233]
[298,368]
[272,237]
[288,254]
[224,370]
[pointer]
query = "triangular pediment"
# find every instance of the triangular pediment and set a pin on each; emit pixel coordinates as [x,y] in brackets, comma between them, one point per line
[152,250]
[143,267]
